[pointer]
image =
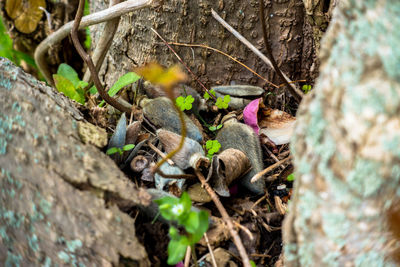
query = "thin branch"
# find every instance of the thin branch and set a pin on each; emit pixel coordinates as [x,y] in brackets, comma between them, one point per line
[183,63]
[292,89]
[104,42]
[259,175]
[236,239]
[86,58]
[95,18]
[250,46]
[159,152]
[230,57]
[214,263]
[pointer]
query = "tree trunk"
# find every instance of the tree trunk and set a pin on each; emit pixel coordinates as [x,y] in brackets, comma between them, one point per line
[346,144]
[60,199]
[191,22]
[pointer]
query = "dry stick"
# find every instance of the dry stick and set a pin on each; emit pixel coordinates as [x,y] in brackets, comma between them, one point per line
[86,58]
[187,256]
[104,42]
[250,46]
[183,63]
[236,239]
[259,175]
[214,263]
[244,229]
[292,89]
[160,153]
[230,57]
[95,18]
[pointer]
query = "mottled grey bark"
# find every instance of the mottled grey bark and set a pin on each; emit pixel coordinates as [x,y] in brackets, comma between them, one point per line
[191,22]
[59,198]
[347,144]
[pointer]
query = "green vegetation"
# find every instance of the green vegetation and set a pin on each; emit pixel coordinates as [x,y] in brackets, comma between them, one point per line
[212,146]
[214,128]
[290,177]
[114,150]
[306,88]
[184,103]
[195,225]
[221,103]
[67,81]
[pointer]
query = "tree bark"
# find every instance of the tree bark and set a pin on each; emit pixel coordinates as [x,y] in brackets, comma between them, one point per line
[60,199]
[346,144]
[191,22]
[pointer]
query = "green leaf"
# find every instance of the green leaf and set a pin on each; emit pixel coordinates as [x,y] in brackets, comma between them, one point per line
[202,226]
[177,250]
[123,81]
[68,72]
[209,144]
[166,206]
[191,222]
[219,126]
[82,84]
[212,128]
[112,150]
[252,263]
[174,233]
[186,202]
[306,88]
[184,102]
[65,86]
[207,95]
[290,177]
[93,90]
[128,147]
[179,102]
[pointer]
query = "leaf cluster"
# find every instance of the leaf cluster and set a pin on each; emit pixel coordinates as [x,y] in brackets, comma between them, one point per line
[114,150]
[184,103]
[221,103]
[194,223]
[306,88]
[212,146]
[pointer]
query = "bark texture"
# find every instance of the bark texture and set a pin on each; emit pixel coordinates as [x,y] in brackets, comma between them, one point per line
[59,198]
[192,22]
[347,144]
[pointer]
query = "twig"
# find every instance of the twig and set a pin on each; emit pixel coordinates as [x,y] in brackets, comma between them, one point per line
[214,263]
[104,42]
[86,58]
[236,239]
[259,175]
[230,57]
[183,63]
[95,18]
[247,231]
[260,199]
[187,256]
[160,153]
[292,89]
[248,44]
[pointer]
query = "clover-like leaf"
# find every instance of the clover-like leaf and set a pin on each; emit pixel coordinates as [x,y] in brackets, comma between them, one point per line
[207,95]
[223,103]
[184,103]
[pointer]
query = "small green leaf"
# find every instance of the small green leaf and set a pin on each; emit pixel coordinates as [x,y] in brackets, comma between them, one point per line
[209,144]
[202,226]
[207,95]
[179,102]
[68,72]
[174,233]
[82,84]
[212,128]
[306,88]
[66,86]
[219,126]
[191,222]
[93,90]
[112,150]
[186,202]
[128,147]
[177,250]
[290,177]
[223,103]
[184,103]
[252,263]
[123,81]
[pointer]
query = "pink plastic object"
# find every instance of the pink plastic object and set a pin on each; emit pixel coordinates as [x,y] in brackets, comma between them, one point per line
[179,264]
[250,114]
